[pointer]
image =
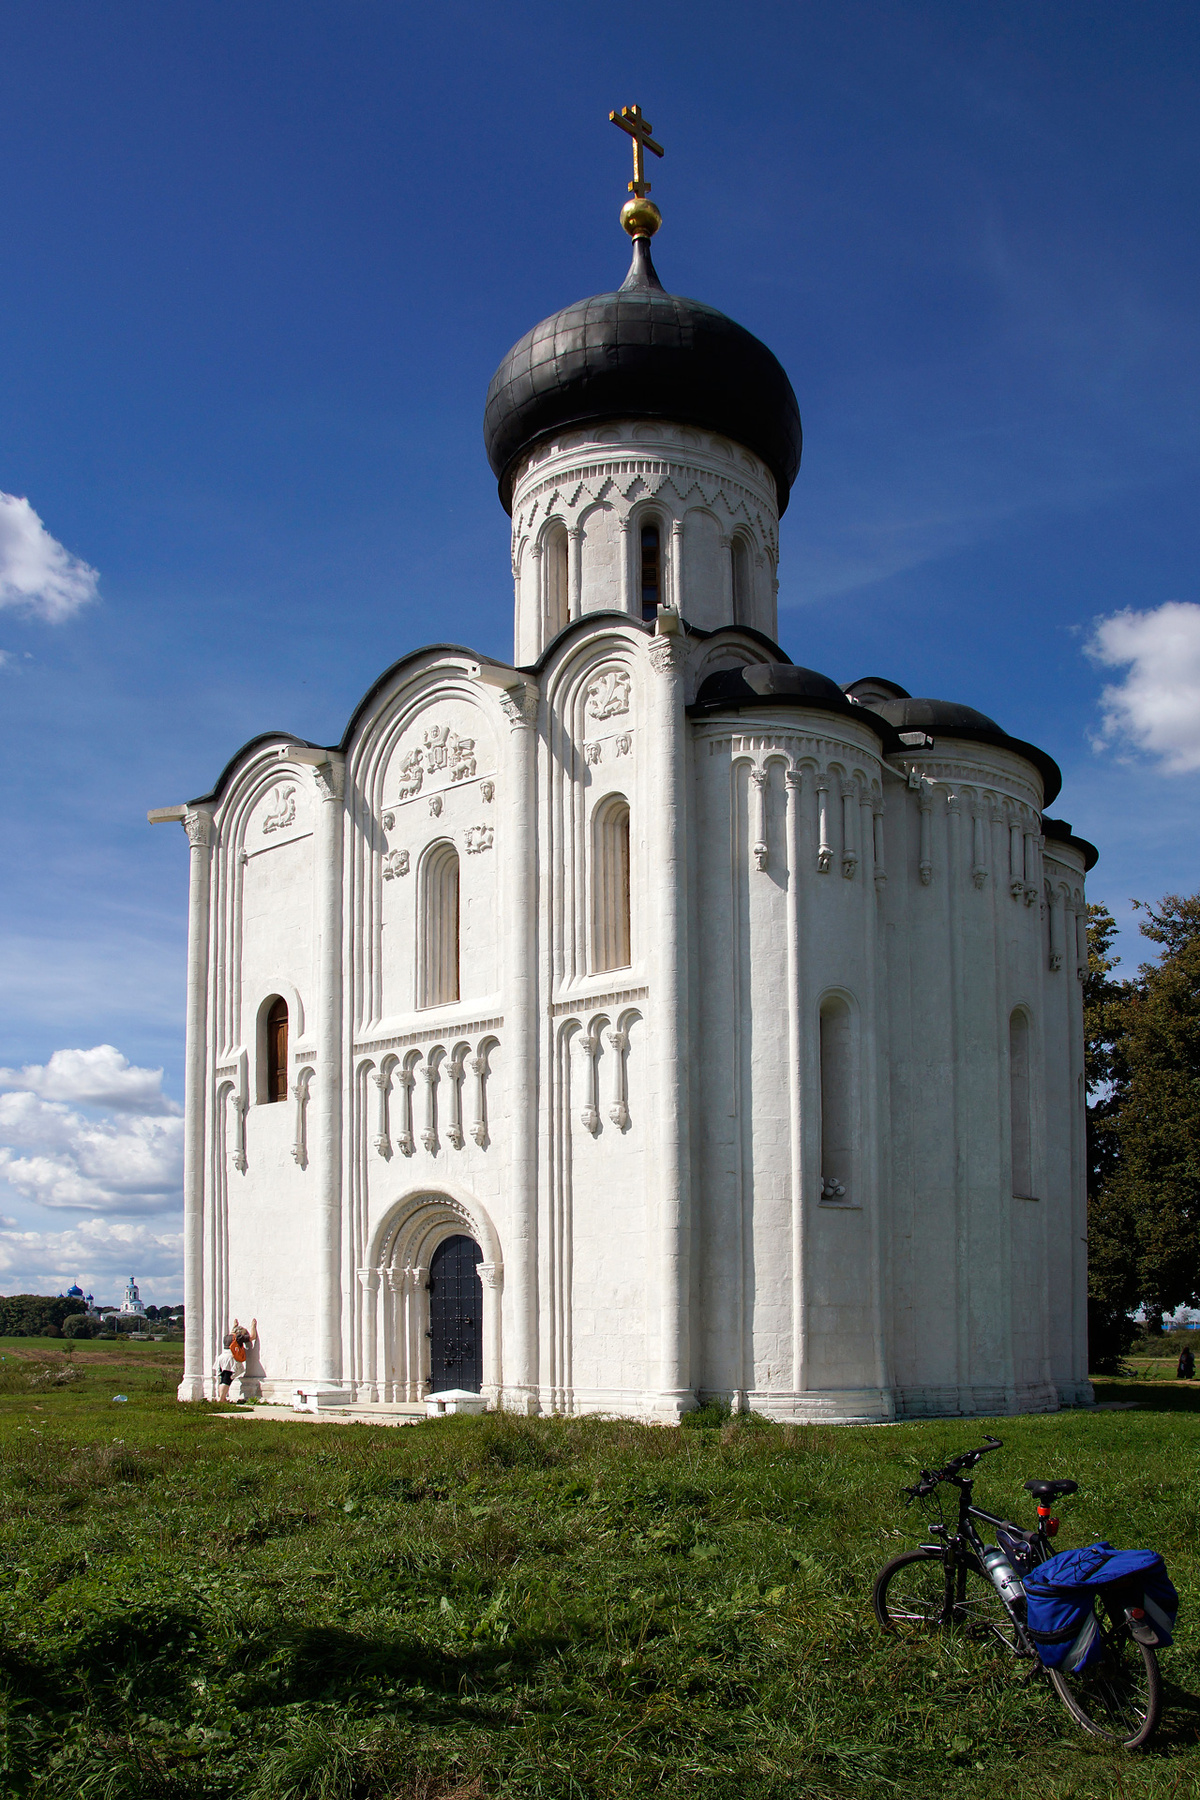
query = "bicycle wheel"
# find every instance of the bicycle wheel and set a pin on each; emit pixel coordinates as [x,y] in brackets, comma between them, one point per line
[910,1593]
[980,1611]
[1119,1696]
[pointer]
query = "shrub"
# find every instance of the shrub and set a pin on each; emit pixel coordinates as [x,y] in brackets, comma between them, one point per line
[80,1326]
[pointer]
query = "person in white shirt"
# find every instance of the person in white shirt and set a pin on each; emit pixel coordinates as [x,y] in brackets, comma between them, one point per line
[231,1364]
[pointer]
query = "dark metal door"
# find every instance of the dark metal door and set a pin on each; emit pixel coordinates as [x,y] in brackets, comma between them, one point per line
[456,1316]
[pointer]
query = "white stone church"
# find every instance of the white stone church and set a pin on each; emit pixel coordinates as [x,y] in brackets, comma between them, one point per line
[650,1020]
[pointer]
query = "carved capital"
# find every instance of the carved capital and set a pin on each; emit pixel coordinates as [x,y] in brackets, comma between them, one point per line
[198,825]
[793,778]
[590,1119]
[520,704]
[330,777]
[849,866]
[369,1280]
[667,653]
[479,1132]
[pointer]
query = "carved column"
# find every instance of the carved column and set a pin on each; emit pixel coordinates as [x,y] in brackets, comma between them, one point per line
[677,565]
[300,1093]
[406,1142]
[587,1044]
[668,746]
[521,899]
[1054,899]
[415,1283]
[624,572]
[429,1136]
[758,789]
[329,778]
[491,1274]
[574,574]
[618,1112]
[1016,859]
[925,811]
[1032,858]
[824,851]
[797,1120]
[849,835]
[198,825]
[537,625]
[877,843]
[382,1078]
[368,1280]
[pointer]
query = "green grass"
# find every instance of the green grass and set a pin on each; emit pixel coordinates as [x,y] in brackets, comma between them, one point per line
[192,1606]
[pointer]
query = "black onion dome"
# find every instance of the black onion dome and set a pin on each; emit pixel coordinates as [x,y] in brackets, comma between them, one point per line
[949,718]
[642,353]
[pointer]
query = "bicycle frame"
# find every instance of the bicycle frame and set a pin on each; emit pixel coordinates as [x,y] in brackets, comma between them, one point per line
[965,1551]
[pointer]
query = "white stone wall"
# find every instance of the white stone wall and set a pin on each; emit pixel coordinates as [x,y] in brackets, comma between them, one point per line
[602,486]
[639,1150]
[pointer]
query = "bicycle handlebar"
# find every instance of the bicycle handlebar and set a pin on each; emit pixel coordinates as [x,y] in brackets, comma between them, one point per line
[932,1478]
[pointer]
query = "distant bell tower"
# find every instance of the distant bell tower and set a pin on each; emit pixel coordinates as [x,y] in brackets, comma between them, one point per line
[645,446]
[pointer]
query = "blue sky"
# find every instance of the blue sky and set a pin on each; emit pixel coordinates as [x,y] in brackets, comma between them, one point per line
[260,262]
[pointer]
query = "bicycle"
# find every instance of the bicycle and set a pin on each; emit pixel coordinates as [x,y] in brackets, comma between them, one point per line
[964,1583]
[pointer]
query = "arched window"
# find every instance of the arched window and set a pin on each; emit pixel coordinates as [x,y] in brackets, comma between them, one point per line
[739,556]
[555,577]
[610,886]
[277,1050]
[651,583]
[1019,1109]
[837,1100]
[438,948]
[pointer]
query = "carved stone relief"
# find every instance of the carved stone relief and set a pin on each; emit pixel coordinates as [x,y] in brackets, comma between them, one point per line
[608,694]
[395,863]
[479,837]
[282,810]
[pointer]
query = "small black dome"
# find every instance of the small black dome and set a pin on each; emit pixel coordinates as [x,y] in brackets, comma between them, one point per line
[782,684]
[946,716]
[949,718]
[642,353]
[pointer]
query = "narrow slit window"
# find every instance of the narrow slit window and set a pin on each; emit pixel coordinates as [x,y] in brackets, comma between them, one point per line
[739,556]
[277,1051]
[837,1101]
[554,563]
[651,572]
[1019,1109]
[439,947]
[611,911]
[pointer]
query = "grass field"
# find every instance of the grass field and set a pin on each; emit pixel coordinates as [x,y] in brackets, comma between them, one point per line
[201,1606]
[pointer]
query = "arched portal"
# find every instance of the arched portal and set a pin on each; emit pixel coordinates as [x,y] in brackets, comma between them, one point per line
[407,1276]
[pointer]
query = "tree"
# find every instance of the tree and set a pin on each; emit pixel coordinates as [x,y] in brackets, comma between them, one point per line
[1112,1262]
[1143,1073]
[1157,1175]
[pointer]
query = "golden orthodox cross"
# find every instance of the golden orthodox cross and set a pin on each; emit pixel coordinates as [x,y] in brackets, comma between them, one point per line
[630,119]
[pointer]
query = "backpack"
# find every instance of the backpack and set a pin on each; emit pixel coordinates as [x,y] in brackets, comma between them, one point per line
[1061,1594]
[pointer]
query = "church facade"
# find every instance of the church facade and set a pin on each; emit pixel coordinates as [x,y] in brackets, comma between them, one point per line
[651,1019]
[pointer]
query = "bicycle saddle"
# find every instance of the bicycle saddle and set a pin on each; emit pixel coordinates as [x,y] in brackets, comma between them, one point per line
[1050,1490]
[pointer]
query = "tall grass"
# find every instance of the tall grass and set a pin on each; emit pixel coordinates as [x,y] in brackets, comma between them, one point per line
[197,1607]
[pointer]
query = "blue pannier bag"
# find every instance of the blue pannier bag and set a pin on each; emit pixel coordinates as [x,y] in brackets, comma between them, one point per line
[1061,1593]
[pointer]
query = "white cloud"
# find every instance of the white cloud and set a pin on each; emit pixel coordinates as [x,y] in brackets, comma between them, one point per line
[37,574]
[58,1156]
[1156,707]
[97,1077]
[97,1253]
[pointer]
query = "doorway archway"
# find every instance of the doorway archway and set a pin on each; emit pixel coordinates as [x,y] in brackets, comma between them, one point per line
[456,1316]
[398,1301]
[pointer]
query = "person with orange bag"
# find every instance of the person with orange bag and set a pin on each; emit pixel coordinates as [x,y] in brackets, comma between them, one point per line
[231,1364]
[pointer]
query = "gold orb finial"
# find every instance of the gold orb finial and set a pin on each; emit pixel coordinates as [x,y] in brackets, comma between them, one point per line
[640,217]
